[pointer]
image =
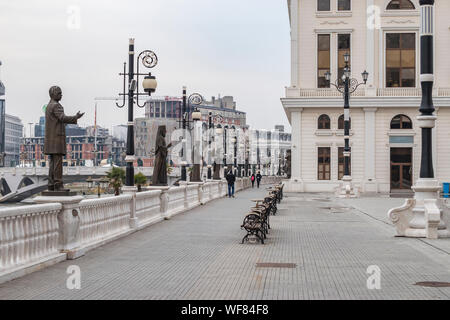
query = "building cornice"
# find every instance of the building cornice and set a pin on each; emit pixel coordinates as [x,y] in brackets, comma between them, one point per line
[296,104]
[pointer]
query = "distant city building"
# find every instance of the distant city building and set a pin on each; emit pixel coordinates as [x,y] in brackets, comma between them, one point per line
[39,129]
[13,136]
[167,111]
[268,149]
[84,148]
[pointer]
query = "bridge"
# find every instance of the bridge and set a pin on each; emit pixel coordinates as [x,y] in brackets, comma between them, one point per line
[319,247]
[17,184]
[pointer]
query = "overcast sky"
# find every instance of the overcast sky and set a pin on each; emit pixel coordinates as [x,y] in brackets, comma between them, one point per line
[231,47]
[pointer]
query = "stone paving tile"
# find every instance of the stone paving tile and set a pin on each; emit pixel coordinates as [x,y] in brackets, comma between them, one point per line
[197,255]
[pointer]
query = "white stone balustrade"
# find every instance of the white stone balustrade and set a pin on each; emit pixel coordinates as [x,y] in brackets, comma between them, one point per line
[148,207]
[35,236]
[28,236]
[103,219]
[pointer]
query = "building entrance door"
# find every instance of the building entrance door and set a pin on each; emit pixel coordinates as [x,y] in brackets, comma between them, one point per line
[401,168]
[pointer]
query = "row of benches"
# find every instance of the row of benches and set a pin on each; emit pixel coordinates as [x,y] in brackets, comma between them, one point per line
[257,222]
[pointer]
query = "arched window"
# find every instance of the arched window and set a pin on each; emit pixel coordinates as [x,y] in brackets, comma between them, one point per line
[341,123]
[401,122]
[324,122]
[400,5]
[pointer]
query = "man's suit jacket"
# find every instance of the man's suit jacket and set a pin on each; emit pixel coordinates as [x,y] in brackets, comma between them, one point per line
[55,129]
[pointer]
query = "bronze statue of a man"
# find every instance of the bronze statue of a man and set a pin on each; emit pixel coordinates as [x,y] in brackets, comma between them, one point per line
[159,177]
[55,138]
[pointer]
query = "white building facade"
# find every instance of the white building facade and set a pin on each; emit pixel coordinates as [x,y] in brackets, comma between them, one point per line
[383,38]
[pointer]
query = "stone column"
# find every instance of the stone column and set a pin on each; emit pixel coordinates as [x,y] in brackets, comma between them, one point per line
[295,184]
[132,191]
[372,20]
[370,184]
[68,221]
[294,14]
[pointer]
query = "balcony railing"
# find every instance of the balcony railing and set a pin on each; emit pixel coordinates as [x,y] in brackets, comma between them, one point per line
[380,92]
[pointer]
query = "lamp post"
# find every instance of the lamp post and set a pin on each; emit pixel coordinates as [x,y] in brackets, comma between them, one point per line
[210,127]
[196,117]
[347,87]
[234,141]
[218,132]
[194,99]
[421,217]
[225,151]
[149,60]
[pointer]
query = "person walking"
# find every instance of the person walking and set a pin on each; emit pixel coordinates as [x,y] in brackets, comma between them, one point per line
[231,178]
[253,180]
[258,178]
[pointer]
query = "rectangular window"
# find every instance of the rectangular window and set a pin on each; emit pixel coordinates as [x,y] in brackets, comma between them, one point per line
[323,59]
[344,5]
[400,60]
[323,5]
[323,161]
[152,109]
[343,48]
[341,163]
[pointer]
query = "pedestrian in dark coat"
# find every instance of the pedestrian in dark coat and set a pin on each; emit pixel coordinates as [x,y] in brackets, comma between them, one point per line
[258,178]
[231,179]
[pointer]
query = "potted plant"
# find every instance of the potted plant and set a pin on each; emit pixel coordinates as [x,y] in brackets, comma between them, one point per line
[140,179]
[116,179]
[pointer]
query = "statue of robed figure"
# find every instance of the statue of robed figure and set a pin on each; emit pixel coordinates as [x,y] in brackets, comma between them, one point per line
[161,149]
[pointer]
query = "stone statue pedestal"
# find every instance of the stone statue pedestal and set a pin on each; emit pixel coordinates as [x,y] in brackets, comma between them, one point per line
[424,216]
[132,191]
[69,222]
[346,189]
[164,200]
[59,194]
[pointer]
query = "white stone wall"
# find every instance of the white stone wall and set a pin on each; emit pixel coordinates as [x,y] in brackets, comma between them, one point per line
[372,107]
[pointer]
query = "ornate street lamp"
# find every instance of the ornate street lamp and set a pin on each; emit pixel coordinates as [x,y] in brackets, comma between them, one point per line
[218,132]
[149,60]
[347,86]
[195,99]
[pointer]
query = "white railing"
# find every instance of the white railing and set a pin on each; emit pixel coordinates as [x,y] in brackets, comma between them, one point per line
[361,92]
[399,92]
[443,92]
[148,207]
[85,171]
[31,236]
[28,234]
[101,219]
[192,196]
[176,200]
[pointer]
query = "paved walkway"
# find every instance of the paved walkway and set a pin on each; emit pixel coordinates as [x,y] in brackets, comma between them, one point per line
[198,255]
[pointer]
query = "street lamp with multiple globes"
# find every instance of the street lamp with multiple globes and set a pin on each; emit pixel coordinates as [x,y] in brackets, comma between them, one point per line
[149,60]
[347,86]
[212,135]
[195,99]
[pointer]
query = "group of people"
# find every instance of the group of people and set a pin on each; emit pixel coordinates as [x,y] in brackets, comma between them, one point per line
[231,179]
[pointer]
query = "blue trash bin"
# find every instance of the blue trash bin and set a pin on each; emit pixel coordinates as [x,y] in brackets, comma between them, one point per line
[446,189]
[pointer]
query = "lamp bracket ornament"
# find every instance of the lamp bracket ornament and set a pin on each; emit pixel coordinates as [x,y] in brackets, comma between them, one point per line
[196,99]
